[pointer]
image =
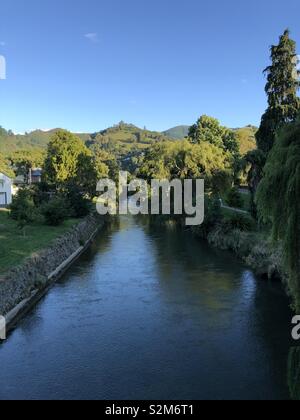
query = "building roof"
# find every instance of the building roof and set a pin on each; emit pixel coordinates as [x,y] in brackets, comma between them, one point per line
[36,172]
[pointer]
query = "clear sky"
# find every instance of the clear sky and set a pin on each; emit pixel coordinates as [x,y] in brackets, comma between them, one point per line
[87,64]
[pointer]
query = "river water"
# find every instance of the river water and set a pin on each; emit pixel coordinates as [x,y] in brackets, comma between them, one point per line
[151,313]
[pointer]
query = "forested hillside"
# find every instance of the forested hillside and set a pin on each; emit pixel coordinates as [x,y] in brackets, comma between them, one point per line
[123,137]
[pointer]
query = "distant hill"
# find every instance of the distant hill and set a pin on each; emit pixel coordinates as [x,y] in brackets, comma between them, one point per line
[38,139]
[123,138]
[177,133]
[129,134]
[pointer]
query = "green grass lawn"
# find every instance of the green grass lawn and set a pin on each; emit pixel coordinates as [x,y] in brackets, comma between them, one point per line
[14,247]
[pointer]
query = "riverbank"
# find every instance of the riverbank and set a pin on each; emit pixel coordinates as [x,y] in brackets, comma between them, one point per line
[22,286]
[16,246]
[151,313]
[265,259]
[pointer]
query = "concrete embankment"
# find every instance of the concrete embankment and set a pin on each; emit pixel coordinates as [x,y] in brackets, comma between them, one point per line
[23,286]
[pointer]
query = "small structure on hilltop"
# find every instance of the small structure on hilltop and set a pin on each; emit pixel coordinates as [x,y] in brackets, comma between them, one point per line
[5,190]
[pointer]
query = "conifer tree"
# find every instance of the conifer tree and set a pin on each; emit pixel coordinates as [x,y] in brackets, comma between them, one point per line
[281,89]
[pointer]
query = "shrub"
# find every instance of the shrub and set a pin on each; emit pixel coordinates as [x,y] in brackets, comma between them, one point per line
[78,204]
[234,198]
[23,209]
[238,221]
[212,217]
[55,212]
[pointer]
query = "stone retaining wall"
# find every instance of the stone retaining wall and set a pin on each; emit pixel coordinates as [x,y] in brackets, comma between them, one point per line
[36,272]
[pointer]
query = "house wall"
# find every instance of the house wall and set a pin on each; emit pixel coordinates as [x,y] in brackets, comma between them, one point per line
[5,190]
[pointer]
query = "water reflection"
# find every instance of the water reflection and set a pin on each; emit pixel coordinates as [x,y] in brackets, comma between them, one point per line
[151,313]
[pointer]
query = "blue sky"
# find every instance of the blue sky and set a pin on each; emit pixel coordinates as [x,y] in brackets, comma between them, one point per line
[87,64]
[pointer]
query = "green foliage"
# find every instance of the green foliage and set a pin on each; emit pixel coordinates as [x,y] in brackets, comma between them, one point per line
[256,160]
[246,139]
[213,217]
[238,221]
[55,211]
[23,208]
[184,160]
[282,86]
[65,152]
[24,160]
[234,199]
[78,204]
[70,163]
[208,129]
[5,168]
[278,199]
[14,248]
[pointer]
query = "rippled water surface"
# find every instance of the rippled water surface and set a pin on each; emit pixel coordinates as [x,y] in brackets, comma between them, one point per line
[151,313]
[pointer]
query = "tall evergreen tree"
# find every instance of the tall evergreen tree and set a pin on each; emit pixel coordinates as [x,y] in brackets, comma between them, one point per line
[284,105]
[281,89]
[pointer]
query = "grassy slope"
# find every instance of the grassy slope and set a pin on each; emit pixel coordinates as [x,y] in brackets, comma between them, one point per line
[14,247]
[177,133]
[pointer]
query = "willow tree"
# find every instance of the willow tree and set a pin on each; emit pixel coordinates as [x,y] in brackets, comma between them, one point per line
[278,200]
[281,89]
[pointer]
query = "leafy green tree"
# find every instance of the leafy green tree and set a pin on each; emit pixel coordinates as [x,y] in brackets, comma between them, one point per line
[23,209]
[208,129]
[278,199]
[70,163]
[281,89]
[105,163]
[169,160]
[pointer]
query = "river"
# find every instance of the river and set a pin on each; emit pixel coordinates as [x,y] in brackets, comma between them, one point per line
[151,313]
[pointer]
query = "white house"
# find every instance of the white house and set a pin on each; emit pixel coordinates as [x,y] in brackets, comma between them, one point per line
[5,190]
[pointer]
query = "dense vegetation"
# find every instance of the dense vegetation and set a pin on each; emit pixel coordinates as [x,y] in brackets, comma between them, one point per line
[268,157]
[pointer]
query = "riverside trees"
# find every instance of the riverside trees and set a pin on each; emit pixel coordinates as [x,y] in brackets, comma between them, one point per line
[278,199]
[283,105]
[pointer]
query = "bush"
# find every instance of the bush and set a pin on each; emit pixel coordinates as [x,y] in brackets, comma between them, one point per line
[234,198]
[78,204]
[238,221]
[55,212]
[23,209]
[212,217]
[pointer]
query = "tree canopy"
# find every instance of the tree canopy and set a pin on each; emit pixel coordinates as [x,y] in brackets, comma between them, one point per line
[209,130]
[281,89]
[184,160]
[278,199]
